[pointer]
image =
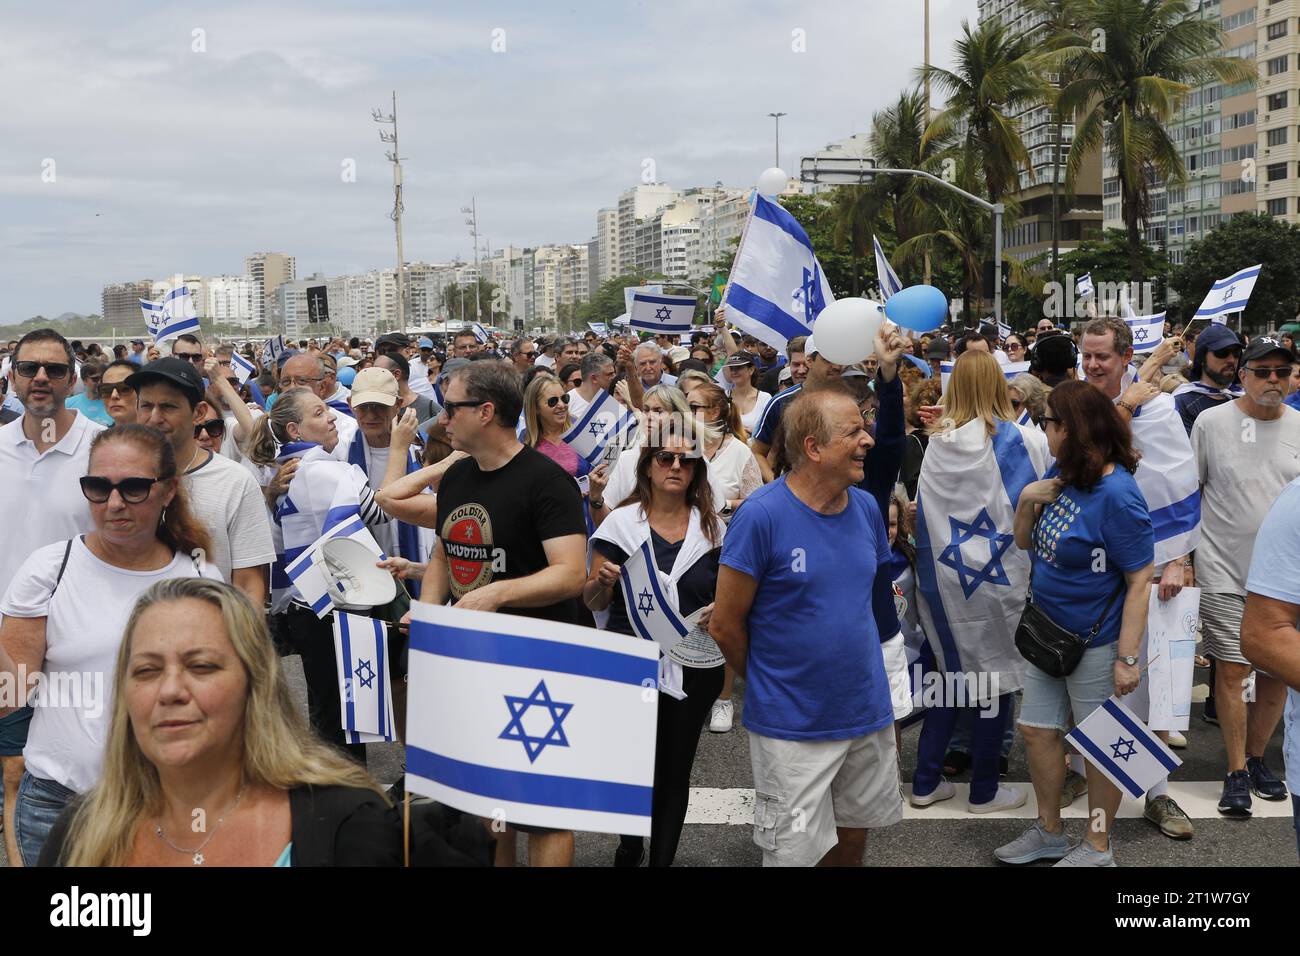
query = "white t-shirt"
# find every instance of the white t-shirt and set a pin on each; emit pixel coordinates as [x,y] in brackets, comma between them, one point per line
[40,497]
[227,500]
[1243,464]
[734,470]
[83,631]
[545,361]
[750,420]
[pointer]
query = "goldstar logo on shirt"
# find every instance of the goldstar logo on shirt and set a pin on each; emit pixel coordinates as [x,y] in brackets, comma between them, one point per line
[467,541]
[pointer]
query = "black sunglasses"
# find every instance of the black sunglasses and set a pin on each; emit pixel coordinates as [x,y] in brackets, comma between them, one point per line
[195,357]
[666,458]
[106,389]
[1282,371]
[556,399]
[54,370]
[132,490]
[575,382]
[1224,353]
[450,407]
[1015,403]
[1049,418]
[215,428]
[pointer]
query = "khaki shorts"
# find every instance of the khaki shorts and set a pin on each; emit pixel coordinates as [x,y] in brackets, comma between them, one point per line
[1221,626]
[804,789]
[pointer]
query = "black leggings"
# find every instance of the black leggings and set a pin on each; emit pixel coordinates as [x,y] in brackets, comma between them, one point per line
[677,736]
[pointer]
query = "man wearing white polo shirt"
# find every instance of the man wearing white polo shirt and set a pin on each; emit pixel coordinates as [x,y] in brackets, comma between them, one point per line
[43,455]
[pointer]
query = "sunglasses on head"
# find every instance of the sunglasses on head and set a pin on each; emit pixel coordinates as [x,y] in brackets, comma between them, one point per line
[133,490]
[556,399]
[215,428]
[666,459]
[53,370]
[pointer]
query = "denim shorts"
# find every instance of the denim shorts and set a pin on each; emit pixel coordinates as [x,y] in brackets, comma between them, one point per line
[40,802]
[1049,702]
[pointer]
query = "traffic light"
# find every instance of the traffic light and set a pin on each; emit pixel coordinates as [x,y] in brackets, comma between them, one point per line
[988,277]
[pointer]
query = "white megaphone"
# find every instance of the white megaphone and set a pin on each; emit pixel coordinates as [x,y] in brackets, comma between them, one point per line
[355,583]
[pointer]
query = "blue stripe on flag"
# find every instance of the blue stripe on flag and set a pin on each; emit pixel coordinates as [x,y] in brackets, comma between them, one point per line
[596,405]
[1079,740]
[1013,460]
[350,719]
[1178,518]
[926,574]
[766,312]
[380,673]
[682,300]
[653,574]
[1140,733]
[535,653]
[777,215]
[321,604]
[337,516]
[539,789]
[634,618]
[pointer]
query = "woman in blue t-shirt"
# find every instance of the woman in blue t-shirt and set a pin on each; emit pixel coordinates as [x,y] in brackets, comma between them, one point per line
[1089,535]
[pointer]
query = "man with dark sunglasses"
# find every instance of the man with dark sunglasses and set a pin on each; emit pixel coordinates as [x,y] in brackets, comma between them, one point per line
[1212,379]
[43,455]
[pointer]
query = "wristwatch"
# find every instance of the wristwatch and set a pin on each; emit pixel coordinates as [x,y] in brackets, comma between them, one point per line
[1130,661]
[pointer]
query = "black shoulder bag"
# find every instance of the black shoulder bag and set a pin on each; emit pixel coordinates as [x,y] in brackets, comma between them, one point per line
[1050,647]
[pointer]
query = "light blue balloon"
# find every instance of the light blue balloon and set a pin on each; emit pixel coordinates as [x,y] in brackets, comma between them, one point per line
[921,308]
[346,375]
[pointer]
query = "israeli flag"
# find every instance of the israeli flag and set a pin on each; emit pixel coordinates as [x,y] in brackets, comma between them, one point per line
[365,689]
[643,596]
[178,316]
[1083,286]
[480,333]
[153,316]
[1114,741]
[273,349]
[242,367]
[599,328]
[662,314]
[531,721]
[1009,371]
[777,287]
[885,274]
[1166,475]
[310,573]
[629,290]
[1147,330]
[1004,331]
[1228,295]
[972,575]
[604,426]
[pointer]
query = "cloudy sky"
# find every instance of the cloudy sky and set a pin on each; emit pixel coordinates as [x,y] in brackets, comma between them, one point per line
[142,138]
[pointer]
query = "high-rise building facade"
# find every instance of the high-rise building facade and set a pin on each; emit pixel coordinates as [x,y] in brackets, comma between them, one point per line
[268,270]
[636,205]
[119,303]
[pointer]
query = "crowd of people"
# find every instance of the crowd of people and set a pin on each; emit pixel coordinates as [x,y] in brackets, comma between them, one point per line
[809,517]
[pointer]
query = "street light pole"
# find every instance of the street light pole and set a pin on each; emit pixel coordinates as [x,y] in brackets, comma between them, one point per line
[777,156]
[472,211]
[395,158]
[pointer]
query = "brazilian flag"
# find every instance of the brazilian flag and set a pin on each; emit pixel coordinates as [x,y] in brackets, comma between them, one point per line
[719,284]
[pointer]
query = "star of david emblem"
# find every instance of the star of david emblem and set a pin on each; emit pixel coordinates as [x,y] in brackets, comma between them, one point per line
[365,674]
[1119,753]
[992,571]
[515,730]
[595,428]
[1140,335]
[803,297]
[1227,293]
[645,603]
[663,313]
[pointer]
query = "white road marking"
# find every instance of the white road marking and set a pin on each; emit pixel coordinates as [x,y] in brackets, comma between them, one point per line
[1198,799]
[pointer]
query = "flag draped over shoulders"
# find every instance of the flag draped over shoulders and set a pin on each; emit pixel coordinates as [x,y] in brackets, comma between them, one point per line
[970,572]
[1166,475]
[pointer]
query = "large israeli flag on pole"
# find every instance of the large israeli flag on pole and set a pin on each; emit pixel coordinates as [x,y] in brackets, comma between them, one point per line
[652,616]
[179,316]
[885,274]
[1147,330]
[605,422]
[1166,475]
[531,721]
[365,688]
[1228,295]
[777,287]
[968,567]
[661,314]
[1114,741]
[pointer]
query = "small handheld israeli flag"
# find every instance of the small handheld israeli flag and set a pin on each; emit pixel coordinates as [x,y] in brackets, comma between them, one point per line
[599,328]
[153,316]
[1083,286]
[885,274]
[604,422]
[662,314]
[365,688]
[1009,371]
[310,575]
[273,349]
[480,333]
[1114,741]
[1147,331]
[1228,295]
[178,316]
[530,721]
[1004,331]
[242,367]
[643,595]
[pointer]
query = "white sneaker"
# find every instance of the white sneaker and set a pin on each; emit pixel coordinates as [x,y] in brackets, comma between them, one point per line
[721,718]
[1007,798]
[1177,740]
[945,791]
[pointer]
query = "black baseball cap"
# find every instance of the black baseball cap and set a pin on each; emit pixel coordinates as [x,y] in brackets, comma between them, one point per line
[178,372]
[399,339]
[738,359]
[1263,345]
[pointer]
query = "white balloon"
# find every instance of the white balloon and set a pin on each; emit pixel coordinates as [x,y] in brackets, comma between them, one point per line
[772,181]
[846,330]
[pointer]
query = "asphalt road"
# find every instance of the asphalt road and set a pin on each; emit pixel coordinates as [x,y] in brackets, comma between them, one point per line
[943,835]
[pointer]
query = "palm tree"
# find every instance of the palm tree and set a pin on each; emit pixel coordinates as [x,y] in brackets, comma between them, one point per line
[1124,90]
[955,228]
[1060,27]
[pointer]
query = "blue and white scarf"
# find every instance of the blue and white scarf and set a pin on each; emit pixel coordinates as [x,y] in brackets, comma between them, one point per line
[409,544]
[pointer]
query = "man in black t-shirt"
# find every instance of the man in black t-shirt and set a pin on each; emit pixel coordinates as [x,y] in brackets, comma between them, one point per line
[511,532]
